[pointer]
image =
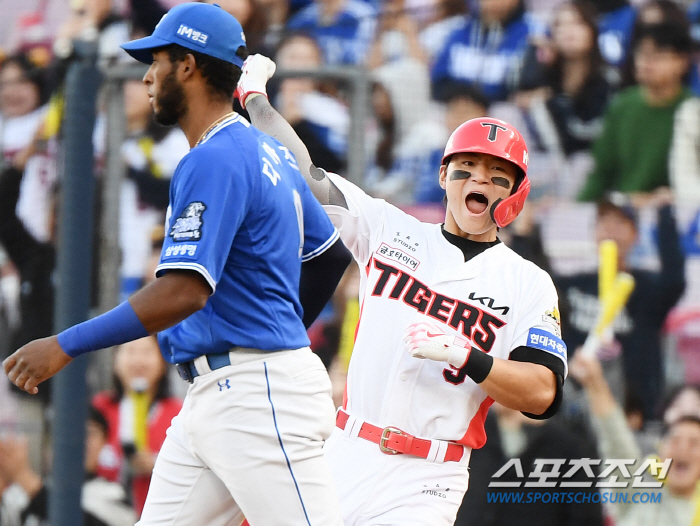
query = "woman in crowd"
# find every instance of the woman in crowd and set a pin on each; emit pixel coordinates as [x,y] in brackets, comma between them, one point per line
[564,87]
[320,119]
[139,410]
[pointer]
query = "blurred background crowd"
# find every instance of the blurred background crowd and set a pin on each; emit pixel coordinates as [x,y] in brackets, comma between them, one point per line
[607,95]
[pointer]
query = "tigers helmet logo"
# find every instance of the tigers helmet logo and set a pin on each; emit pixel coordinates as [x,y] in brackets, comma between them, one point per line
[493,130]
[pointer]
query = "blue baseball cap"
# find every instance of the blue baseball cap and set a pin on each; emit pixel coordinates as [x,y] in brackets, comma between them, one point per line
[205,28]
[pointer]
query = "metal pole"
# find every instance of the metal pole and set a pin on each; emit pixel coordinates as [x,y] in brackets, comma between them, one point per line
[73,282]
[110,251]
[110,257]
[357,162]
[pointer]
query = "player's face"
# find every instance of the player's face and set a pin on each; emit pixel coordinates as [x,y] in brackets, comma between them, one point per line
[165,92]
[473,182]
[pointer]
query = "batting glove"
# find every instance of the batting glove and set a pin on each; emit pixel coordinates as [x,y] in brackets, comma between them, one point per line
[425,340]
[257,70]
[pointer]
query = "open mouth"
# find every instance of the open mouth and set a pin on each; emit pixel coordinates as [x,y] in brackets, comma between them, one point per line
[476,203]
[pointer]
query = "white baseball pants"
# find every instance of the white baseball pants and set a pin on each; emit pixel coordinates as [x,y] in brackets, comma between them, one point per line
[377,489]
[248,442]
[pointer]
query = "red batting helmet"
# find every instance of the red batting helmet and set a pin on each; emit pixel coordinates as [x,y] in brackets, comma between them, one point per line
[500,139]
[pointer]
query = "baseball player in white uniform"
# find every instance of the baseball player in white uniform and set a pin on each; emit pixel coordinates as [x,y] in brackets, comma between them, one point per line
[451,320]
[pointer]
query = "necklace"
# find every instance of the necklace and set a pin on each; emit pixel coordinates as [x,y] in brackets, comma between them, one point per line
[214,125]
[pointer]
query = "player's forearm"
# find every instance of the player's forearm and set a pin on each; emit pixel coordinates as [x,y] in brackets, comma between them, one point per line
[265,118]
[161,304]
[523,386]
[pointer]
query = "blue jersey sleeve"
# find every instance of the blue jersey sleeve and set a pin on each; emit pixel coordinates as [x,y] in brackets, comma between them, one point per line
[319,232]
[209,197]
[441,66]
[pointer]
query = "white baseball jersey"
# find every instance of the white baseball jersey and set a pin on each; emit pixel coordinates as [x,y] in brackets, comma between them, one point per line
[409,271]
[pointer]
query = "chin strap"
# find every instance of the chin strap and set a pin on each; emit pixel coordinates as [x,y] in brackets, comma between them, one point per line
[504,211]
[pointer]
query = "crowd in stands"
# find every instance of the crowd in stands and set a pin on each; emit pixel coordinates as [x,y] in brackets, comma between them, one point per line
[607,95]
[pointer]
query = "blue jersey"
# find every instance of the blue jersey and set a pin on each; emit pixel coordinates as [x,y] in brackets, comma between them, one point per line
[486,57]
[242,216]
[614,33]
[694,17]
[347,39]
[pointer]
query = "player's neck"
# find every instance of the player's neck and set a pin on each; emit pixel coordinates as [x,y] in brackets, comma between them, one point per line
[200,116]
[452,227]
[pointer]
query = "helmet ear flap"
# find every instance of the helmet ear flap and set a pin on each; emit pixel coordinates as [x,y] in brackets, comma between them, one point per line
[492,210]
[504,211]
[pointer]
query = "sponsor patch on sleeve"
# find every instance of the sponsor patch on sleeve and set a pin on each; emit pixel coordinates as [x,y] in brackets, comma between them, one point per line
[188,227]
[180,250]
[546,341]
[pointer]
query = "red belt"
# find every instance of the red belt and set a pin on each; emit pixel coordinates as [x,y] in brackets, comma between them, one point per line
[393,441]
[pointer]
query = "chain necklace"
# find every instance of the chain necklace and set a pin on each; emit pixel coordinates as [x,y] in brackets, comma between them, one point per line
[214,125]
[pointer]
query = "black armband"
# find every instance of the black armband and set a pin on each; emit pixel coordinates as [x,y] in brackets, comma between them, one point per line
[551,362]
[478,365]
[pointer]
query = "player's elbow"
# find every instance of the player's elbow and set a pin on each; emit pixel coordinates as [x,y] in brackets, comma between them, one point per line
[198,300]
[544,396]
[188,291]
[542,401]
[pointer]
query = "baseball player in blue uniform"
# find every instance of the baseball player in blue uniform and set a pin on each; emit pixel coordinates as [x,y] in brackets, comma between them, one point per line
[241,220]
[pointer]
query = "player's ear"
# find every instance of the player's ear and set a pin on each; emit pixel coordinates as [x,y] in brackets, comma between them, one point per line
[187,66]
[442,177]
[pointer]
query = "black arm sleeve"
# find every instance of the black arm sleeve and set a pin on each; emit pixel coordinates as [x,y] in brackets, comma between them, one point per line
[551,362]
[18,242]
[34,260]
[670,282]
[320,277]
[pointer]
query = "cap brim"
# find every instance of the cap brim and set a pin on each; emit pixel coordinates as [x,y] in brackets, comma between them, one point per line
[141,49]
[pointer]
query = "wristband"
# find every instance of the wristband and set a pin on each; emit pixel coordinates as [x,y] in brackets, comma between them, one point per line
[117,326]
[478,365]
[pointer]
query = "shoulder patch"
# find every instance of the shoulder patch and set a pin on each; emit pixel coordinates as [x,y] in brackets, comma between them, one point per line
[553,318]
[188,227]
[546,341]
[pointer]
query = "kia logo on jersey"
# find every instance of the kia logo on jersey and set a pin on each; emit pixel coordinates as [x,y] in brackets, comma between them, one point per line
[488,302]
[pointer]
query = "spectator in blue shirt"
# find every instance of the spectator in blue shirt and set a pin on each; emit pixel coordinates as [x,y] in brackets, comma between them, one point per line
[343,28]
[487,51]
[694,17]
[614,29]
